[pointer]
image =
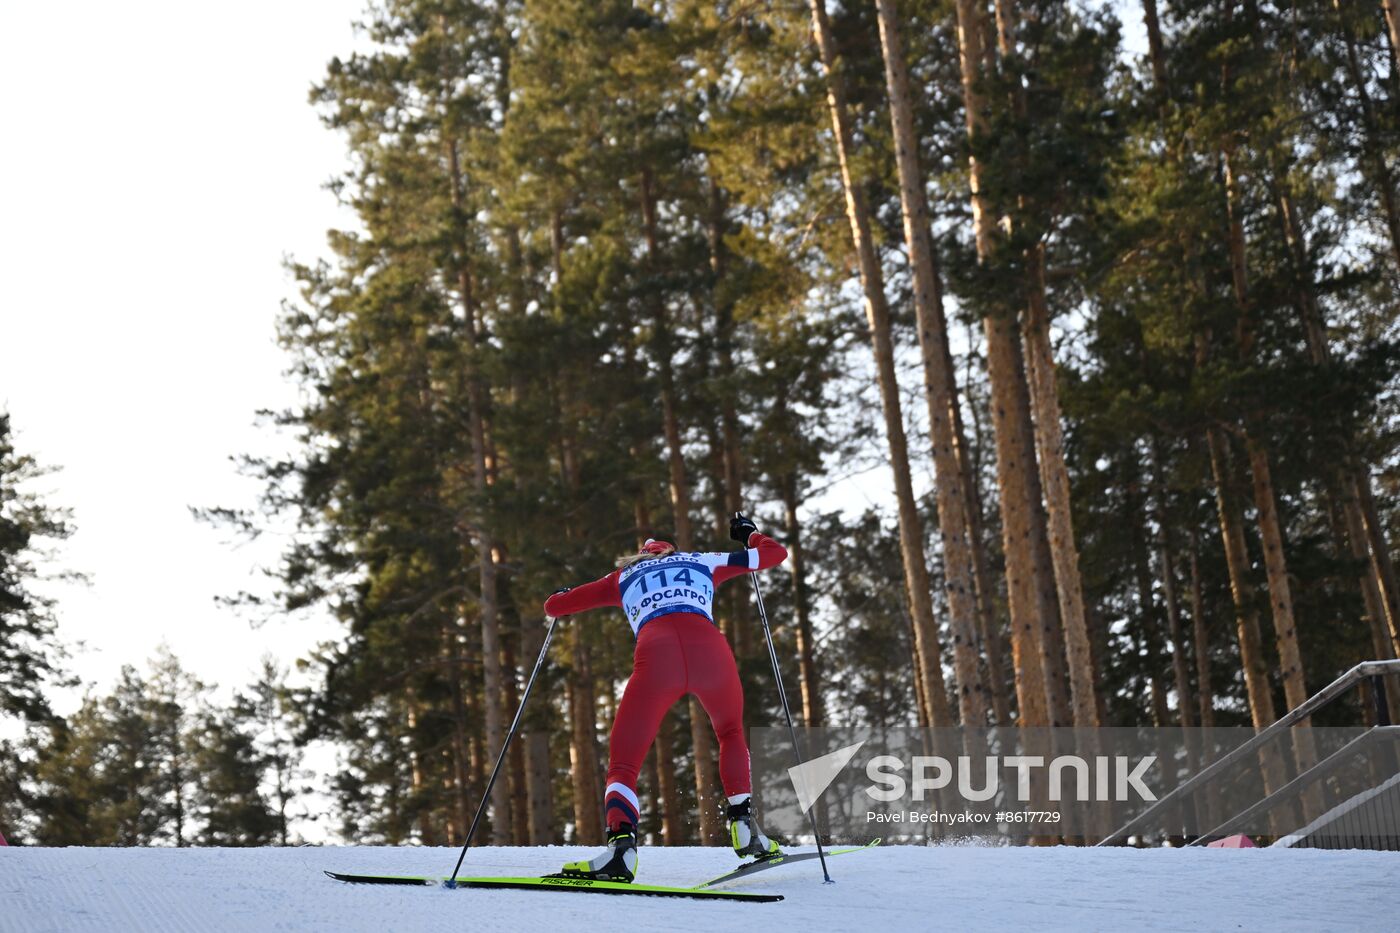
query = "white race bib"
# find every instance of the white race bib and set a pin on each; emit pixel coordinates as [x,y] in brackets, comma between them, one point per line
[676,583]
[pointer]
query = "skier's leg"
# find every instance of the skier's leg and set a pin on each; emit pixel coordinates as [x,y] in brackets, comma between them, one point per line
[714,679]
[657,681]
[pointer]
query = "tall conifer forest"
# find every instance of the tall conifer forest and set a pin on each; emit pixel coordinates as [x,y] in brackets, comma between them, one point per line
[1057,342]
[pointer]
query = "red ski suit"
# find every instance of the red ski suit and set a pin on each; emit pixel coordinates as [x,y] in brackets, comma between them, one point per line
[679,650]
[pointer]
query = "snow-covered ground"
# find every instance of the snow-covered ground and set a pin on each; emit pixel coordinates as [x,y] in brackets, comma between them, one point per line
[893,888]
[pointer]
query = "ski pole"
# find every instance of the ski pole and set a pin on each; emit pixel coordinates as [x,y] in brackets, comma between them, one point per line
[787,711]
[451,881]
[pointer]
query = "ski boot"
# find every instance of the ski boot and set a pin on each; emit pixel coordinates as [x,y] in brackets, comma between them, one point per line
[745,835]
[618,862]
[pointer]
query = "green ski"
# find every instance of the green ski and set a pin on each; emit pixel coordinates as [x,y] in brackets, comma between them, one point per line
[585,885]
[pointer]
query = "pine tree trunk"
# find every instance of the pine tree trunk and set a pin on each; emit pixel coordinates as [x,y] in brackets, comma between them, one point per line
[451,649]
[920,698]
[1209,807]
[427,826]
[940,393]
[1052,641]
[486,567]
[1252,661]
[1055,478]
[649,793]
[1015,448]
[1050,636]
[540,787]
[581,697]
[1279,594]
[797,565]
[586,828]
[1015,468]
[724,328]
[706,780]
[1245,327]
[1380,555]
[535,823]
[1180,666]
[663,349]
[1295,689]
[725,608]
[476,778]
[583,752]
[708,793]
[515,757]
[1381,178]
[1348,525]
[1155,52]
[988,623]
[1353,480]
[1149,628]
[928,652]
[1256,671]
[179,807]
[680,490]
[1265,501]
[1200,629]
[1055,566]
[283,799]
[731,465]
[476,752]
[1392,25]
[1160,717]
[1200,636]
[672,828]
[1098,640]
[556,246]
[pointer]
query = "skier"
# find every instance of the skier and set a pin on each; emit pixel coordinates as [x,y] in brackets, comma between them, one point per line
[668,597]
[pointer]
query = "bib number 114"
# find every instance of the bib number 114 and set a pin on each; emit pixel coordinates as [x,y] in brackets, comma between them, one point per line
[661,577]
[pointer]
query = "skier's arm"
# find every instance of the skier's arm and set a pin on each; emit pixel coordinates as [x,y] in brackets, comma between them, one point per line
[763,552]
[595,595]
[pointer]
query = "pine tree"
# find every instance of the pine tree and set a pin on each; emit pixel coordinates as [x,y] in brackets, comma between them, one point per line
[269,710]
[1016,462]
[228,799]
[954,500]
[31,657]
[601,289]
[927,648]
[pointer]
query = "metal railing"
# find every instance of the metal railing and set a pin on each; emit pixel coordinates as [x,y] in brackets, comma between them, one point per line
[1294,789]
[1374,670]
[1368,820]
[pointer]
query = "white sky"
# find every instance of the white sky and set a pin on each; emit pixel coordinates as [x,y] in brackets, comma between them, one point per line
[158,160]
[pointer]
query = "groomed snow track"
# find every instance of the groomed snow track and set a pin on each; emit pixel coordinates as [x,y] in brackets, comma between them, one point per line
[892,888]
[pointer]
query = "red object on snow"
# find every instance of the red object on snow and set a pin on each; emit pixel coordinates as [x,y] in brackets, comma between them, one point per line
[1232,842]
[2,840]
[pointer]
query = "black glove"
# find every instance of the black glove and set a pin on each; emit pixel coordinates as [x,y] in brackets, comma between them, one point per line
[740,527]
